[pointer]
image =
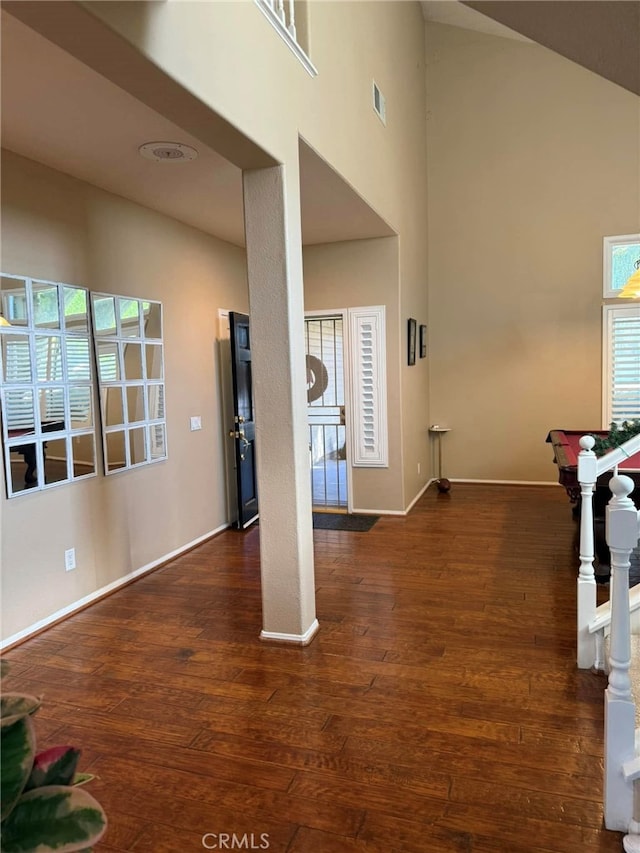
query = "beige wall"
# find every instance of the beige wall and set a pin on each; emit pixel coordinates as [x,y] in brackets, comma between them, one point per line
[350,275]
[532,160]
[62,229]
[262,90]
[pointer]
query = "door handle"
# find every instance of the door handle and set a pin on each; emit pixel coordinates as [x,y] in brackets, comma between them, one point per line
[240,436]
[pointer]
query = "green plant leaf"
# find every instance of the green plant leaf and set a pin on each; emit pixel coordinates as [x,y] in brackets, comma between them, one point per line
[14,706]
[18,745]
[82,778]
[55,766]
[54,818]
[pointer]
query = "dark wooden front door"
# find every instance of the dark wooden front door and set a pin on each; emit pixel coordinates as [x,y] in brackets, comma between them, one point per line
[244,431]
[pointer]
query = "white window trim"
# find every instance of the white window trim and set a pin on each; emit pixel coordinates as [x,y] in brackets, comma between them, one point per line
[609,313]
[608,245]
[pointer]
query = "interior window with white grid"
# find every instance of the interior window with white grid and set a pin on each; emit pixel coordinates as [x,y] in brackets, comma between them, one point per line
[130,360]
[46,384]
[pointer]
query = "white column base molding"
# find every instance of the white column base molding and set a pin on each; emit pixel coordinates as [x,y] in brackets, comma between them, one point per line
[294,639]
[631,843]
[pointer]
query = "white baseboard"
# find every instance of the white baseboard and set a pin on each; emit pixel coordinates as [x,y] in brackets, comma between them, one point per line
[397,512]
[296,639]
[419,495]
[505,482]
[59,615]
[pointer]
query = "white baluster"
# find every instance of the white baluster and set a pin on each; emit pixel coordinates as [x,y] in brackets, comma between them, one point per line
[587,597]
[292,20]
[280,12]
[619,736]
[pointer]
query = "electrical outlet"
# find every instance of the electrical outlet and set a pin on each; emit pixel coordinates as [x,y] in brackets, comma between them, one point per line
[70,560]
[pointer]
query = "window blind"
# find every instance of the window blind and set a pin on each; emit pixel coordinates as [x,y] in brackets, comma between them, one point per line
[622,378]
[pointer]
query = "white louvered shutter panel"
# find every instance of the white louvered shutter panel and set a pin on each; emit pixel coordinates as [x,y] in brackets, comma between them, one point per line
[369,387]
[622,363]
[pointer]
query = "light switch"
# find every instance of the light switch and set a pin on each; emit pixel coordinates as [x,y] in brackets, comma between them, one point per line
[196,423]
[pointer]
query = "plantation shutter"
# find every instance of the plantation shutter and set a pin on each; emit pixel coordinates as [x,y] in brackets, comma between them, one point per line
[369,387]
[17,369]
[622,353]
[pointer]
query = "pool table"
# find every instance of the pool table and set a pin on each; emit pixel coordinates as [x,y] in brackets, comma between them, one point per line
[565,444]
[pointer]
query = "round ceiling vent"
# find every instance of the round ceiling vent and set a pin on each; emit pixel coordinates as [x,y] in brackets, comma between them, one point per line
[167,152]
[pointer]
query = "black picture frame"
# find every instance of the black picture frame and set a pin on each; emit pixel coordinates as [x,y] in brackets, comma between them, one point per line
[411,354]
[423,341]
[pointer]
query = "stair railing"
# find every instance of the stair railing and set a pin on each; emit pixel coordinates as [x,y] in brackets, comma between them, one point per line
[592,621]
[621,767]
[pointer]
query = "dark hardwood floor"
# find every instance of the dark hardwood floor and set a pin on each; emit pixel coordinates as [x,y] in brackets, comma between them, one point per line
[439,709]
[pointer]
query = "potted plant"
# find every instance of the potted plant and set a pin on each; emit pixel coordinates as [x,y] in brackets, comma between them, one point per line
[43,807]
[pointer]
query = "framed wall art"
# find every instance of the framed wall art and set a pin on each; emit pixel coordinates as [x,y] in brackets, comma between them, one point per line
[411,354]
[423,341]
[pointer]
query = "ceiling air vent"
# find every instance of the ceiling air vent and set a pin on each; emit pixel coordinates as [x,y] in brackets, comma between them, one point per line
[379,103]
[167,152]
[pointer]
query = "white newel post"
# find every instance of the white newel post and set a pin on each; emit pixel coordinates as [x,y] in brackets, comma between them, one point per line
[587,476]
[619,724]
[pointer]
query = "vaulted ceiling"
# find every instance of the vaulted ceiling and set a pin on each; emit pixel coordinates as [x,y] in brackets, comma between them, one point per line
[58,111]
[601,35]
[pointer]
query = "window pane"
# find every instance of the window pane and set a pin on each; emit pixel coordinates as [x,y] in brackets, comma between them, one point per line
[108,361]
[157,441]
[51,407]
[152,319]
[13,301]
[84,456]
[19,411]
[132,361]
[153,354]
[135,403]
[104,315]
[76,315]
[48,358]
[137,448]
[55,460]
[129,318]
[78,359]
[116,454]
[81,406]
[156,402]
[23,467]
[46,312]
[623,259]
[16,358]
[112,406]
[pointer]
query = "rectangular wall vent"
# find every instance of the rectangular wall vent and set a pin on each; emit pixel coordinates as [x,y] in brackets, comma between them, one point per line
[379,103]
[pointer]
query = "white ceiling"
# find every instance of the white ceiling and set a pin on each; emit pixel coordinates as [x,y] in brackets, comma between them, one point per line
[59,112]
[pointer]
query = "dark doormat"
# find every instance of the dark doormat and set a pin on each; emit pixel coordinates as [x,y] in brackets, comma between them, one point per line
[341,521]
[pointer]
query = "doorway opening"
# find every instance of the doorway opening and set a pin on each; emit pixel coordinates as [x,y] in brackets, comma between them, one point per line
[324,338]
